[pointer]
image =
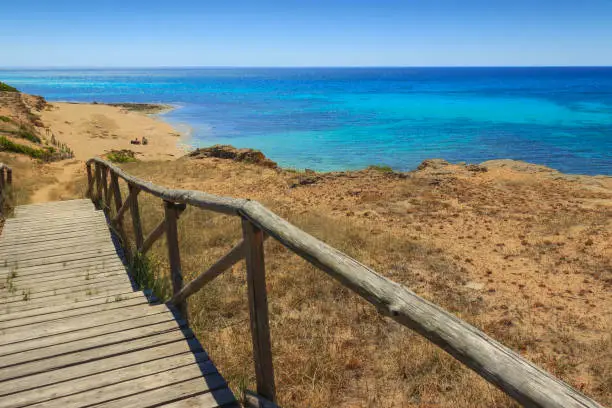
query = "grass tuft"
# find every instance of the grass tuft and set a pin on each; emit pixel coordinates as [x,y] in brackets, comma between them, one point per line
[7,88]
[381,168]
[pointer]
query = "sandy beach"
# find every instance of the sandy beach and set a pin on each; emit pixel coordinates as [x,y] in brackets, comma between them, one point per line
[94,129]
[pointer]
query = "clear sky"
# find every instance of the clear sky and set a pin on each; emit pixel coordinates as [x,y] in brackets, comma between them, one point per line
[147,33]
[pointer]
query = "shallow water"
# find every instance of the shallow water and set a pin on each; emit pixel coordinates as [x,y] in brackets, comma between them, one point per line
[346,118]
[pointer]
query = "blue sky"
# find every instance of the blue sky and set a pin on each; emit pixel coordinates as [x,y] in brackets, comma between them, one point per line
[128,33]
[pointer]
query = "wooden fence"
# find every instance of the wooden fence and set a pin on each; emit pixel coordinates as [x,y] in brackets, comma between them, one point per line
[520,379]
[6,179]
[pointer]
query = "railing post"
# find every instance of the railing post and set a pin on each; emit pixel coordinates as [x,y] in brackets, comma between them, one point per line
[171,216]
[116,191]
[105,198]
[89,180]
[9,176]
[258,308]
[136,216]
[98,183]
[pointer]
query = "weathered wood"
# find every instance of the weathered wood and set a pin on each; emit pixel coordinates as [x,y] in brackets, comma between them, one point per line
[252,400]
[196,198]
[89,181]
[116,191]
[105,189]
[135,213]
[93,367]
[235,255]
[100,380]
[514,375]
[152,237]
[173,394]
[39,344]
[98,175]
[258,308]
[126,206]
[174,256]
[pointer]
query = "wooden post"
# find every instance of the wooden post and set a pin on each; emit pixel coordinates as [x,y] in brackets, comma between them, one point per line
[89,180]
[9,176]
[136,216]
[116,191]
[258,308]
[174,255]
[104,198]
[98,183]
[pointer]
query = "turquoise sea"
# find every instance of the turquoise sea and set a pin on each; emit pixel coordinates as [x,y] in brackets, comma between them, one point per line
[347,118]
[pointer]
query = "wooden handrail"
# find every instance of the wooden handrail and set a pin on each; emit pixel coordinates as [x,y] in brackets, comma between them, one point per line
[514,375]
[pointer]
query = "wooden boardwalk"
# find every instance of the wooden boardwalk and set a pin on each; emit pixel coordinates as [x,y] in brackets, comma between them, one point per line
[75,333]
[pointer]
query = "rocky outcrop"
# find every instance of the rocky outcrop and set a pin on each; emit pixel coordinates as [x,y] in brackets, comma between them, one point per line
[231,153]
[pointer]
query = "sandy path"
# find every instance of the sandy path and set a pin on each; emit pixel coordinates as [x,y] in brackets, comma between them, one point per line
[93,130]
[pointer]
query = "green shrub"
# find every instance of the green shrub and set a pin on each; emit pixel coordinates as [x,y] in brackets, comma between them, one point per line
[5,119]
[10,146]
[7,88]
[121,156]
[26,134]
[384,169]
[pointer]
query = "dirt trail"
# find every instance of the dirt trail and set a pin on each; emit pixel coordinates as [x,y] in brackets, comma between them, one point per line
[65,173]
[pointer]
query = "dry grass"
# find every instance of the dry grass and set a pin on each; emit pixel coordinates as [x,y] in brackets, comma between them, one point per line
[28,176]
[438,235]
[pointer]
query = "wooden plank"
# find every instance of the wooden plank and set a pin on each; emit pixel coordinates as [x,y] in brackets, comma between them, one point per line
[167,379]
[92,265]
[16,290]
[39,344]
[60,243]
[174,255]
[156,353]
[222,397]
[104,339]
[74,297]
[517,377]
[59,236]
[48,253]
[258,308]
[97,381]
[68,306]
[176,392]
[99,353]
[94,253]
[49,315]
[86,289]
[21,229]
[96,228]
[66,325]
[72,275]
[57,203]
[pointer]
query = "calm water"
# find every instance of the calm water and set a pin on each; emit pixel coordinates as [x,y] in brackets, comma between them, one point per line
[345,118]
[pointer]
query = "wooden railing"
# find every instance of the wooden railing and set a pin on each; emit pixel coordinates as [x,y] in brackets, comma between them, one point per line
[6,179]
[517,377]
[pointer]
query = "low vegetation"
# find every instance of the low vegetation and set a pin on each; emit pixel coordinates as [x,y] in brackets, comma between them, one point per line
[381,168]
[121,156]
[522,271]
[7,88]
[10,146]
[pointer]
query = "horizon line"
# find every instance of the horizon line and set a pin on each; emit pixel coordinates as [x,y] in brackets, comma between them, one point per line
[50,67]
